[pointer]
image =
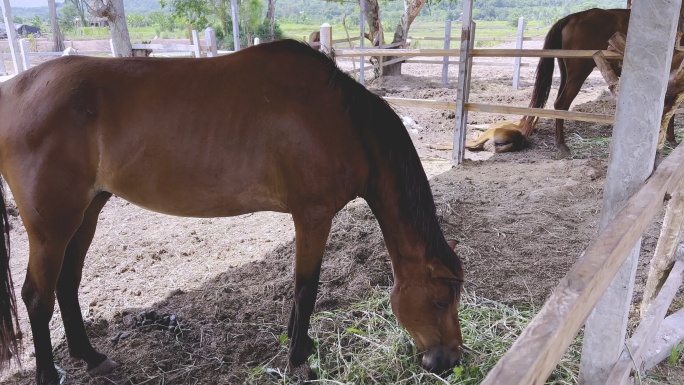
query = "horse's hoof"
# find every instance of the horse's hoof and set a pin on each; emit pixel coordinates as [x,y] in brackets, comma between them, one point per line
[304,373]
[105,367]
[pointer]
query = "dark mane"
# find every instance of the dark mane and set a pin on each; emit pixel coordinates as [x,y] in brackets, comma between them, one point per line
[372,115]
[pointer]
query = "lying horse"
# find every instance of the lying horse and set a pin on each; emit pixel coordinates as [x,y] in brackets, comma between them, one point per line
[500,137]
[587,30]
[275,127]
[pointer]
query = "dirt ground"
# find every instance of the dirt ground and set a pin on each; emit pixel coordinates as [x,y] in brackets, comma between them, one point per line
[522,220]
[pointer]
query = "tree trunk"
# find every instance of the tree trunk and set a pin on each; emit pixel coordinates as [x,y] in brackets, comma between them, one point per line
[411,10]
[113,11]
[270,16]
[375,34]
[57,39]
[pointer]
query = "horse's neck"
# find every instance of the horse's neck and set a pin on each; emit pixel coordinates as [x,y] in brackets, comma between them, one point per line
[405,246]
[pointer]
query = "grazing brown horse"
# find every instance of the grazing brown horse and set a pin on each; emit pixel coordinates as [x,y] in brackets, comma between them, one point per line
[587,30]
[275,127]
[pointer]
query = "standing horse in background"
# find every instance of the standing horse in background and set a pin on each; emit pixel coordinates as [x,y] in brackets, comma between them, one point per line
[587,30]
[275,127]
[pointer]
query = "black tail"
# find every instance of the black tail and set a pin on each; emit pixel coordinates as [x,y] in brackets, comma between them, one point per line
[10,336]
[544,76]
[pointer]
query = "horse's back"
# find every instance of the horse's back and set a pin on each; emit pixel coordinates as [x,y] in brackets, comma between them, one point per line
[592,28]
[259,130]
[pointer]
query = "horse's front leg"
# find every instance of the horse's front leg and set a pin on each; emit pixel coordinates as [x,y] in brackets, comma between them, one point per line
[311,229]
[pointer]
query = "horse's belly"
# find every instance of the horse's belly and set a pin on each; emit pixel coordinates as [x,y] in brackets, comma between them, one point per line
[203,201]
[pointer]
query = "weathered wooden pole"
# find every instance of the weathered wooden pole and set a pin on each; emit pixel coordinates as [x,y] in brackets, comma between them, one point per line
[467,36]
[236,25]
[210,38]
[326,38]
[12,37]
[518,45]
[362,27]
[645,74]
[447,45]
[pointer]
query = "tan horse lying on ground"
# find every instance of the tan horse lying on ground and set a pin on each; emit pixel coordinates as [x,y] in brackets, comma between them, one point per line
[275,127]
[500,137]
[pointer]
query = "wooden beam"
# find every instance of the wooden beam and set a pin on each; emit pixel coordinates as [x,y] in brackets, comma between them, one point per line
[561,53]
[633,354]
[587,54]
[543,342]
[607,72]
[617,42]
[542,113]
[663,258]
[422,103]
[670,334]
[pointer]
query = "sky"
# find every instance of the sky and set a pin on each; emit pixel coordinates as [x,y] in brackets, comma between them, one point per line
[29,3]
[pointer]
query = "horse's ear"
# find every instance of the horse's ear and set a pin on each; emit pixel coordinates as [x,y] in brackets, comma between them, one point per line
[438,270]
[452,243]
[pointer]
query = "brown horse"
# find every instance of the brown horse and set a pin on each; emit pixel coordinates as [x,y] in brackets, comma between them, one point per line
[276,127]
[587,30]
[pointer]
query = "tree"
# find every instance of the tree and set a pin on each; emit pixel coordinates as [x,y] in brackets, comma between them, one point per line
[57,38]
[411,10]
[113,11]
[270,18]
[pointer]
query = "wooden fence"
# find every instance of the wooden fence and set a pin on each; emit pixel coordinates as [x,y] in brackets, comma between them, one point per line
[198,48]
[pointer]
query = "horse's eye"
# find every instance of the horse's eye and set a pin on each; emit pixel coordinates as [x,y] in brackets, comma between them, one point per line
[442,305]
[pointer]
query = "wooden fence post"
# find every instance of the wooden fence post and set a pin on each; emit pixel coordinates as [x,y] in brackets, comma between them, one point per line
[257,41]
[447,45]
[362,27]
[326,38]
[197,50]
[467,38]
[3,69]
[12,37]
[518,45]
[210,38]
[23,45]
[635,136]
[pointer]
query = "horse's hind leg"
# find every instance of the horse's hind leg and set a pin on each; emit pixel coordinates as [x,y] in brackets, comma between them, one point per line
[311,235]
[52,205]
[67,291]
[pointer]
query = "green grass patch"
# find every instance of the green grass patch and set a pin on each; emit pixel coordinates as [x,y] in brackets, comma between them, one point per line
[363,344]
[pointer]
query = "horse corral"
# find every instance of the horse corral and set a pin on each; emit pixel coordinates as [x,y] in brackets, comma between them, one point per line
[520,219]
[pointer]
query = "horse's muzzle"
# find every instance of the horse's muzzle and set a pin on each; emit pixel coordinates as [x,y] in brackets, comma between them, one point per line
[438,361]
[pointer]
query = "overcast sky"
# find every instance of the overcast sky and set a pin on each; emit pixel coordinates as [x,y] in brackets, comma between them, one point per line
[29,3]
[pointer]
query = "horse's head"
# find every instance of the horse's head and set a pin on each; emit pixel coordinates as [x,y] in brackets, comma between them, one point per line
[426,303]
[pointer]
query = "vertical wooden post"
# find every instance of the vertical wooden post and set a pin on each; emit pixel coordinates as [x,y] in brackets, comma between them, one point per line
[257,41]
[518,45]
[12,37]
[447,44]
[362,27]
[3,69]
[210,38]
[197,50]
[326,39]
[236,25]
[23,44]
[111,46]
[644,79]
[467,37]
